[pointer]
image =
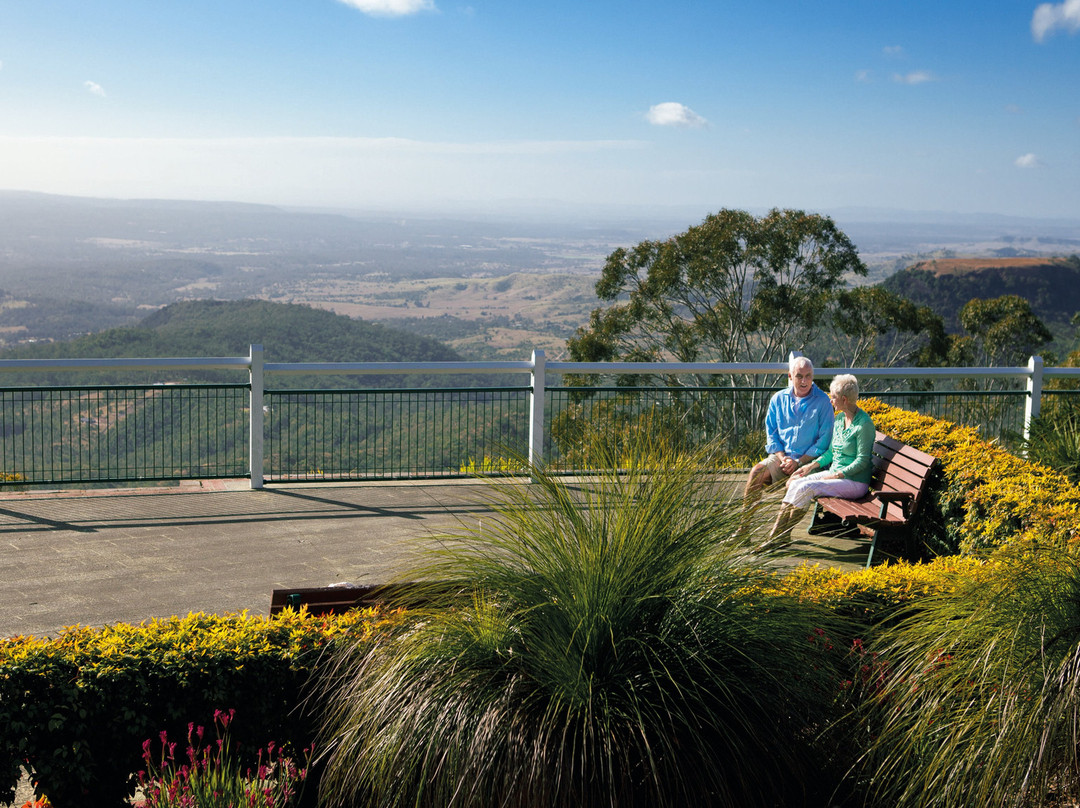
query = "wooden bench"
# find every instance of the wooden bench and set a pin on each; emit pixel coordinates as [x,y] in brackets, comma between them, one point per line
[343,597]
[322,599]
[901,476]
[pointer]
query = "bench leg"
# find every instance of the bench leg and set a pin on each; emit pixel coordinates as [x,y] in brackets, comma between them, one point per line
[825,523]
[873,546]
[817,522]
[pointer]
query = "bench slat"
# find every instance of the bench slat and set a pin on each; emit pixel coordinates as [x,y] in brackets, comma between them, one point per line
[884,460]
[898,480]
[889,443]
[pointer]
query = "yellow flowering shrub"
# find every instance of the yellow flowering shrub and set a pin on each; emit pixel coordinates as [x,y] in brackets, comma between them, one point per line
[869,593]
[988,497]
[76,708]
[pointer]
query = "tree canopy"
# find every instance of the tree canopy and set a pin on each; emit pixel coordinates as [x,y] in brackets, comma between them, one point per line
[734,288]
[875,326]
[1002,331]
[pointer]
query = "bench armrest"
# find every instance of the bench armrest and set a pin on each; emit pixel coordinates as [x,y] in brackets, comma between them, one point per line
[894,496]
[905,498]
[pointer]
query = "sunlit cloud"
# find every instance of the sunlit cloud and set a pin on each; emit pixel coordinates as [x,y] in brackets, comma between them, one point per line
[672,113]
[390,8]
[914,77]
[893,50]
[1028,160]
[1050,17]
[94,88]
[864,76]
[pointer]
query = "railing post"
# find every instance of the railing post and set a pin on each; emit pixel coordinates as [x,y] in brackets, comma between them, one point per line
[255,419]
[536,411]
[1034,393]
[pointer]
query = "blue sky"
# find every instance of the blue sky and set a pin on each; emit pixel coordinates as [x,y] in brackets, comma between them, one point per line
[434,104]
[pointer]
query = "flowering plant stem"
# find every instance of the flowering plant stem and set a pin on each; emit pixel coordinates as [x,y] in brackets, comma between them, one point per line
[209,775]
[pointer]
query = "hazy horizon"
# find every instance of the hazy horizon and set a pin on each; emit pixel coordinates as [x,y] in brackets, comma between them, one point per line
[964,108]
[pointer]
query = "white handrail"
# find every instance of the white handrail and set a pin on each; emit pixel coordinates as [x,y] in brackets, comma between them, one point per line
[158,363]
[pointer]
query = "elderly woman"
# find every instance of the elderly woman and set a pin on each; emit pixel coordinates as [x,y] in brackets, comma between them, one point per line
[842,471]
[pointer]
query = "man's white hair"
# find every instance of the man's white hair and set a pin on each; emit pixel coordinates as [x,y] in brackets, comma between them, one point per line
[797,362]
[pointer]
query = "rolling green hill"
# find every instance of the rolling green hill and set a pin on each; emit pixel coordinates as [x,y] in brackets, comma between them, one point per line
[288,332]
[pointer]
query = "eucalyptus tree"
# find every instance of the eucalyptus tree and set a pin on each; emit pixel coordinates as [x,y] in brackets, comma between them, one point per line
[873,326]
[1002,331]
[736,287]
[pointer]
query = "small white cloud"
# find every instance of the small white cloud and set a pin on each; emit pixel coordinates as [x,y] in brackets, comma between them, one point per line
[914,77]
[864,76]
[1049,17]
[1028,160]
[893,50]
[672,113]
[390,8]
[1013,109]
[94,88]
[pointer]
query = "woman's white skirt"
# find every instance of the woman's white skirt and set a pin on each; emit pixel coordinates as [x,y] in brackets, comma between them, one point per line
[802,491]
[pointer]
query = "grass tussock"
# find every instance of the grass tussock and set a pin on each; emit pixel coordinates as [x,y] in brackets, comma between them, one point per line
[613,647]
[981,702]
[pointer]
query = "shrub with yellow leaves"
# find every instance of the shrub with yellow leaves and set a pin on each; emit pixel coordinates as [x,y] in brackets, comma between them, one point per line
[987,498]
[76,708]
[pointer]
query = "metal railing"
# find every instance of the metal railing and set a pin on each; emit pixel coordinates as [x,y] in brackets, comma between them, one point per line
[123,433]
[390,433]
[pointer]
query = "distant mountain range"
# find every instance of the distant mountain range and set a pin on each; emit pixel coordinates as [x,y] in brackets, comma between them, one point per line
[73,266]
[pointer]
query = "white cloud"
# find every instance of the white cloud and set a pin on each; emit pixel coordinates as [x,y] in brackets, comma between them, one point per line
[672,113]
[893,50]
[1028,160]
[1049,17]
[914,77]
[94,88]
[390,8]
[1013,109]
[863,76]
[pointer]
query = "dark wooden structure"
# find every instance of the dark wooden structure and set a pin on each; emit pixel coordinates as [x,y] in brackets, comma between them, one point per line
[343,597]
[324,599]
[901,477]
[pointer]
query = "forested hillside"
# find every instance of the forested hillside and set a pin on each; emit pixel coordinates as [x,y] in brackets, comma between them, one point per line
[1051,285]
[288,332]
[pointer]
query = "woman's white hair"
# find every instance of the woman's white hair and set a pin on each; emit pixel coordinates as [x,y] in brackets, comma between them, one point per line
[845,385]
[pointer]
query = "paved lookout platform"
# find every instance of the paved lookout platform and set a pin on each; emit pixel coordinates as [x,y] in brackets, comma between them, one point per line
[95,557]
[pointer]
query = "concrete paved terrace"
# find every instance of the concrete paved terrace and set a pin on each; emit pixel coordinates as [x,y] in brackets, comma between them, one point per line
[96,557]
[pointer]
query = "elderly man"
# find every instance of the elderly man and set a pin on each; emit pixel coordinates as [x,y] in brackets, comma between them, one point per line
[798,427]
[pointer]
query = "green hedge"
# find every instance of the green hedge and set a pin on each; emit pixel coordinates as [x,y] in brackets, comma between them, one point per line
[76,709]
